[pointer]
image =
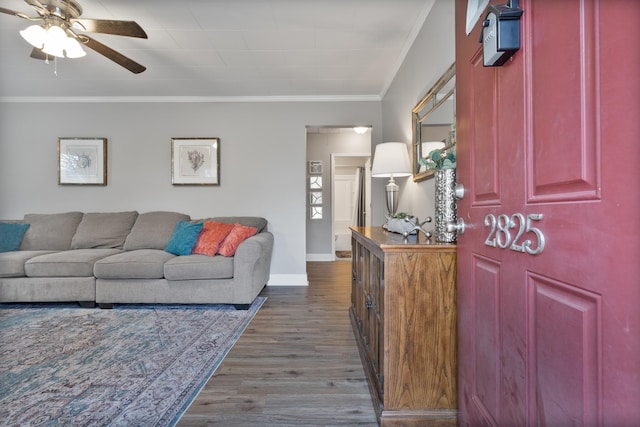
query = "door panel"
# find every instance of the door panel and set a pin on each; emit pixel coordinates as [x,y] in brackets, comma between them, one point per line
[553,131]
[482,121]
[551,339]
[565,331]
[486,346]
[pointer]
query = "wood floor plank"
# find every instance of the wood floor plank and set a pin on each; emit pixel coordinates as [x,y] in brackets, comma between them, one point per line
[296,364]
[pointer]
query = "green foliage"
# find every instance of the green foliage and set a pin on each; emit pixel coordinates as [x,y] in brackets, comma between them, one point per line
[443,158]
[402,215]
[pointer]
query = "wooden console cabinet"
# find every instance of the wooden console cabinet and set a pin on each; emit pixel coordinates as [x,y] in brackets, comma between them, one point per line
[403,312]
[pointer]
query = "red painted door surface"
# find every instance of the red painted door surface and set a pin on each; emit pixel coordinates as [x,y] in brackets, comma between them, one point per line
[551,138]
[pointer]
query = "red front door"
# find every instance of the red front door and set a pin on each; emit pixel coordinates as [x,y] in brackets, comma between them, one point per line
[549,265]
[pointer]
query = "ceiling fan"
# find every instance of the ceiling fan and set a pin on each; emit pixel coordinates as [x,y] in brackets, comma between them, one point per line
[58,35]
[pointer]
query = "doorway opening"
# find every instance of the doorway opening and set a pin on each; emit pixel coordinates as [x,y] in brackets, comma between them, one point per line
[351,195]
[338,189]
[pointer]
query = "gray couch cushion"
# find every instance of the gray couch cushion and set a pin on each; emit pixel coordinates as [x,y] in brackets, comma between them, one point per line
[139,264]
[50,231]
[192,267]
[12,263]
[153,230]
[73,263]
[251,221]
[103,230]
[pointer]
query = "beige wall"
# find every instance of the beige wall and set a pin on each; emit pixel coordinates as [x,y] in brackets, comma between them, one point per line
[263,161]
[432,53]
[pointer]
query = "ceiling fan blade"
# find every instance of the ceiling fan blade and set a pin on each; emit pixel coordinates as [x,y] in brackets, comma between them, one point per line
[106,26]
[38,54]
[116,57]
[37,6]
[14,13]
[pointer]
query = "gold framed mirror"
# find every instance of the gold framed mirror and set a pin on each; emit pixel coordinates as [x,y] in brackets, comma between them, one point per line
[433,122]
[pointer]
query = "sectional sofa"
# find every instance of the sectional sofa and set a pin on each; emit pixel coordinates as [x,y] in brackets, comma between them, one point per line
[124,257]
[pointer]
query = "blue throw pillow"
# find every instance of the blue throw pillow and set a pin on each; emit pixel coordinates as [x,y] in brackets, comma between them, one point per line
[184,238]
[11,236]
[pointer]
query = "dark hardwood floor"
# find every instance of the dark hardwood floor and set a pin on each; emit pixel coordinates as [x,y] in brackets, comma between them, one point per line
[296,364]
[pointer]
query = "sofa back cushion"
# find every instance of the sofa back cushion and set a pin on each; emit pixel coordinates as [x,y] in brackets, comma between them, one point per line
[103,230]
[250,221]
[50,231]
[153,230]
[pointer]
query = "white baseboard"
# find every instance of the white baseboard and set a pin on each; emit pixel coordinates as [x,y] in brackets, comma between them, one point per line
[321,257]
[288,280]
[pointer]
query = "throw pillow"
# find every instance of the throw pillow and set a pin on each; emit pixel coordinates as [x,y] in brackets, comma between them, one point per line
[11,236]
[212,235]
[184,238]
[238,235]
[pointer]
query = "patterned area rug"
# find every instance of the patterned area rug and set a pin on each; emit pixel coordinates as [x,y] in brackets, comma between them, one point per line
[133,365]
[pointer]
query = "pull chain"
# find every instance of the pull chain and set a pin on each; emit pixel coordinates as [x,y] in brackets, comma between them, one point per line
[55,63]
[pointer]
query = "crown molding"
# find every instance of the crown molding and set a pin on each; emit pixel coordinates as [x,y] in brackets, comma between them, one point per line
[186,99]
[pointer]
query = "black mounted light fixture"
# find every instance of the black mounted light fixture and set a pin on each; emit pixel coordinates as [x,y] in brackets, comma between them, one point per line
[500,35]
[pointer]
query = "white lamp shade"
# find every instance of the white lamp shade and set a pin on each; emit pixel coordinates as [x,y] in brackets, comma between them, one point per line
[391,159]
[73,48]
[35,35]
[55,41]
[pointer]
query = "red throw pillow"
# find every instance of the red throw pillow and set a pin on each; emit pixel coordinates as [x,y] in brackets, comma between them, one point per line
[212,234]
[238,235]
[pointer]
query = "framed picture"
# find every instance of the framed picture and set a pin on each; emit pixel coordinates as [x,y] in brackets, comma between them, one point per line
[315,167]
[315,183]
[82,161]
[315,197]
[195,161]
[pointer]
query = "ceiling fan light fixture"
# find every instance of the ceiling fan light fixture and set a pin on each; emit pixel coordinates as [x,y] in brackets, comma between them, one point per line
[73,48]
[61,33]
[55,41]
[35,35]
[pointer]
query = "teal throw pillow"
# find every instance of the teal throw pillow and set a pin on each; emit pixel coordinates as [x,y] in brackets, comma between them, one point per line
[11,236]
[184,238]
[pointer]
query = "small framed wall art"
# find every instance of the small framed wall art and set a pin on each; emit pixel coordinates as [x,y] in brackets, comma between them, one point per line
[82,161]
[195,161]
[315,167]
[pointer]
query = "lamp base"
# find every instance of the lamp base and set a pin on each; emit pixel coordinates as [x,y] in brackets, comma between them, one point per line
[392,198]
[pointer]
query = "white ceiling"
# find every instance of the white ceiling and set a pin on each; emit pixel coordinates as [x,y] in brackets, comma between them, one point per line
[325,49]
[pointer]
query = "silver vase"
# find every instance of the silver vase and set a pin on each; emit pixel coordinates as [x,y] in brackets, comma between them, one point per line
[445,181]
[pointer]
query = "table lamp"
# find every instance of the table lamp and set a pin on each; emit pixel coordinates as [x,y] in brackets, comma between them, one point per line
[391,160]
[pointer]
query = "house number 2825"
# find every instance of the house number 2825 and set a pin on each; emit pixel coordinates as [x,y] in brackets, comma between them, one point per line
[512,232]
